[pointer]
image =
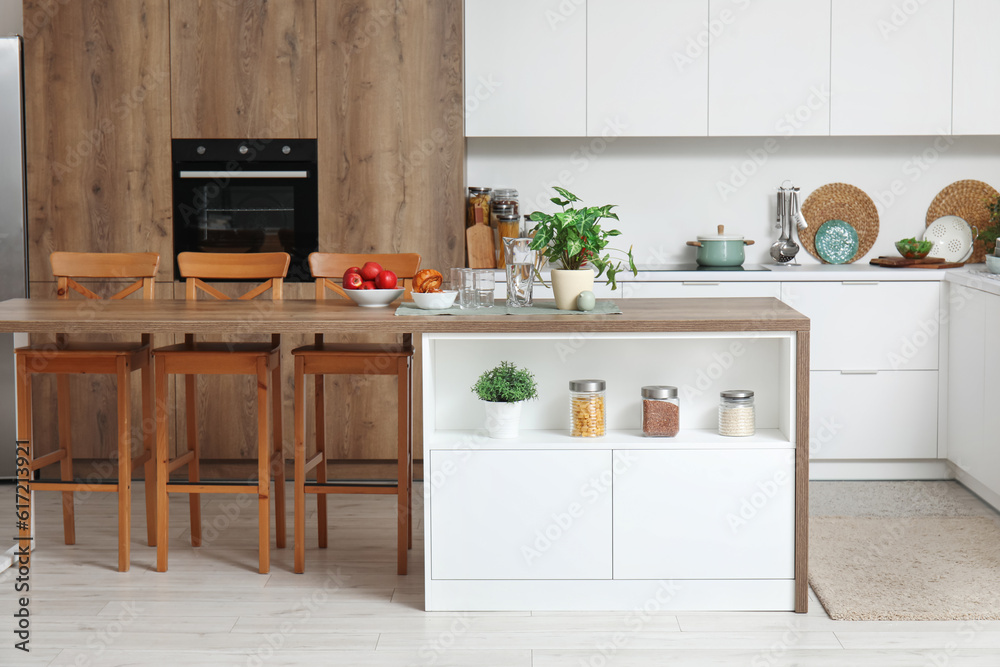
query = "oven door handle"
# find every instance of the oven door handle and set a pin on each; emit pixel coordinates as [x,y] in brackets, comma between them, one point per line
[244,174]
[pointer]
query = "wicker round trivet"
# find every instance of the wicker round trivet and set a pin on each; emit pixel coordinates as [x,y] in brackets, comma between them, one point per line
[966,199]
[840,201]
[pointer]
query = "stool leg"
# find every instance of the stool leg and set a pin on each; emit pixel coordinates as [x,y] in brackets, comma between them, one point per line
[149,445]
[24,474]
[279,455]
[321,449]
[402,513]
[66,465]
[300,467]
[162,457]
[194,467]
[263,468]
[124,462]
[409,452]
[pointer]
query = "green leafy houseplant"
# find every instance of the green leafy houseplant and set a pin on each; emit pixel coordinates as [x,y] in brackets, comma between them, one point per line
[506,384]
[574,237]
[991,234]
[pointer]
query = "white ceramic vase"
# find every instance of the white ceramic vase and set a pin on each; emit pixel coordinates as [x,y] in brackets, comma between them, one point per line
[502,419]
[567,285]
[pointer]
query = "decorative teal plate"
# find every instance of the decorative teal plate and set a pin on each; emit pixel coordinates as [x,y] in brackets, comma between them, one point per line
[836,242]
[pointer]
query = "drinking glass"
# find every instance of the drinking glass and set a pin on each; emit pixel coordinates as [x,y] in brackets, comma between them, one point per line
[520,271]
[485,283]
[462,281]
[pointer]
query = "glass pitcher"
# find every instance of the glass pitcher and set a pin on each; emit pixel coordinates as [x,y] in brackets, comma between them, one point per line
[520,260]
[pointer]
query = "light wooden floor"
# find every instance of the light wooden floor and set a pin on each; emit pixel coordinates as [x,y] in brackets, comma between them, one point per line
[212,608]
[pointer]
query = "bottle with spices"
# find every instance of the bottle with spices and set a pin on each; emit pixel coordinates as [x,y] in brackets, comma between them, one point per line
[737,417]
[509,227]
[479,198]
[661,412]
[587,408]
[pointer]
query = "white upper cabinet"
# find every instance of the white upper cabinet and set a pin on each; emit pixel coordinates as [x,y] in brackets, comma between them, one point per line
[525,68]
[769,71]
[891,70]
[647,68]
[977,61]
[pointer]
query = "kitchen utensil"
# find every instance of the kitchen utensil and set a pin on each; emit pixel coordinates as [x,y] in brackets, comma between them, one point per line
[966,199]
[479,243]
[374,298]
[836,242]
[904,263]
[720,250]
[777,245]
[840,201]
[435,300]
[952,237]
[790,248]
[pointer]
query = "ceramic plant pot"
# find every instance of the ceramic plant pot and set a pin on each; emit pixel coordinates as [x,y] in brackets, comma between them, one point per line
[502,419]
[567,285]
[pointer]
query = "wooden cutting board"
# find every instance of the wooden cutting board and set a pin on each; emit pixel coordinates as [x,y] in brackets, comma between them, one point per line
[904,263]
[480,247]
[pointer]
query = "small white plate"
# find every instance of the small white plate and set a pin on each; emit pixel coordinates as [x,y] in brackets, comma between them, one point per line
[952,237]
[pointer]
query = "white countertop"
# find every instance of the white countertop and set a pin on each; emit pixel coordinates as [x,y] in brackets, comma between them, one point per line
[976,277]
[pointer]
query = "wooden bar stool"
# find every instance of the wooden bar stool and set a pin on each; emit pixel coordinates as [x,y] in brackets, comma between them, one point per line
[323,359]
[191,359]
[119,359]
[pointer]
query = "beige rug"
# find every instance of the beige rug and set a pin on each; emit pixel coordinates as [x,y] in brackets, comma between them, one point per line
[906,568]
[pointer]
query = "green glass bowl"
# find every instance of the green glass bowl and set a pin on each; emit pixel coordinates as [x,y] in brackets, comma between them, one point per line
[907,251]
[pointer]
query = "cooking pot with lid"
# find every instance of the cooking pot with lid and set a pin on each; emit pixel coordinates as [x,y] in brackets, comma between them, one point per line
[720,249]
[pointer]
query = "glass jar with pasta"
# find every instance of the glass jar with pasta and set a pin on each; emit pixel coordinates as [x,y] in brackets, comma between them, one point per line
[479,198]
[587,408]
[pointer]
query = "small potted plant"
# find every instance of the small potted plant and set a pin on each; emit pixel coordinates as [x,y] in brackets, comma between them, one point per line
[574,238]
[991,234]
[502,390]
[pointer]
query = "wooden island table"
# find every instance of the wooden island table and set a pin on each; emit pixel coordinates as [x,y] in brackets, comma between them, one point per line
[546,521]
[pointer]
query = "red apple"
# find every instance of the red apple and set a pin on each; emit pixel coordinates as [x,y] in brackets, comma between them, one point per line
[386,280]
[368,284]
[370,270]
[353,269]
[353,280]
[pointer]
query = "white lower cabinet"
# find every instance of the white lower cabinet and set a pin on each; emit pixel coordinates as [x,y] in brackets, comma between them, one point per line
[876,415]
[716,514]
[520,514]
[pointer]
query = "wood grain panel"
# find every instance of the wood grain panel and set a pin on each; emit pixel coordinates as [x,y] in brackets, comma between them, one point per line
[243,68]
[97,75]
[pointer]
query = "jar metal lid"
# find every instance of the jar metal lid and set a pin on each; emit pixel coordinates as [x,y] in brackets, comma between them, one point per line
[502,193]
[508,217]
[737,394]
[659,391]
[479,191]
[500,207]
[587,385]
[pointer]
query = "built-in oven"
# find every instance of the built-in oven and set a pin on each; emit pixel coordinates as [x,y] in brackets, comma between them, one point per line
[245,196]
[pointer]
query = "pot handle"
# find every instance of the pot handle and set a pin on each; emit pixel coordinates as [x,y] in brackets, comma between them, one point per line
[748,243]
[696,244]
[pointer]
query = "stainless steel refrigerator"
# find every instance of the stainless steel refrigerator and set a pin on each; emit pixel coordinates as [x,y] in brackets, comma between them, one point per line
[13,249]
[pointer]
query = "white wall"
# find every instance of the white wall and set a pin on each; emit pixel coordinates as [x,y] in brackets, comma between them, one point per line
[10,17]
[670,190]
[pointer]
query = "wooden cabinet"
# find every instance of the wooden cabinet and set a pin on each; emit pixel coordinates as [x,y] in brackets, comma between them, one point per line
[770,68]
[97,135]
[243,69]
[643,77]
[683,514]
[521,514]
[525,68]
[976,87]
[891,67]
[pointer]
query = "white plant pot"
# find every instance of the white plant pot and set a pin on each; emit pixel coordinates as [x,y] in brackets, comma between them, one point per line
[502,419]
[567,285]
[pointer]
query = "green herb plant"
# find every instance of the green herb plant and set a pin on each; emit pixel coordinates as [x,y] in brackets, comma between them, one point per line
[991,234]
[506,384]
[574,237]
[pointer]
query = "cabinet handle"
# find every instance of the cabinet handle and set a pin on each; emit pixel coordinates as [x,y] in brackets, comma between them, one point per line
[859,372]
[859,282]
[695,282]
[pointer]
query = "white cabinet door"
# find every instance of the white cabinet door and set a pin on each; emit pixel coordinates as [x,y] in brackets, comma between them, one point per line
[883,415]
[720,514]
[891,67]
[644,77]
[990,473]
[525,68]
[520,514]
[870,325]
[966,377]
[977,60]
[769,72]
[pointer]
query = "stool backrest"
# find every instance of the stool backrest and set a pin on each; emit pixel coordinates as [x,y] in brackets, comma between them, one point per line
[327,267]
[67,267]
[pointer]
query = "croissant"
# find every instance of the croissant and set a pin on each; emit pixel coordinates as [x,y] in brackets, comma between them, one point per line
[427,280]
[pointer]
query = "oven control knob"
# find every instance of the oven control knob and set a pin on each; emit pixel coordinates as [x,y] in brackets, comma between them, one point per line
[200,150]
[244,150]
[286,149]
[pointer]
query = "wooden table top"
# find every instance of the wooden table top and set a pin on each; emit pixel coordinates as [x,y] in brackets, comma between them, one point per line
[335,316]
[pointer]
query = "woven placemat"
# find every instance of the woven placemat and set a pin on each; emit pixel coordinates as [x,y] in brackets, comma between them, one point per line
[966,199]
[603,307]
[840,201]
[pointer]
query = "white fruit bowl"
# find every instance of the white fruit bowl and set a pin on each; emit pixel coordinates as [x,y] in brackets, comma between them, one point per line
[434,300]
[374,298]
